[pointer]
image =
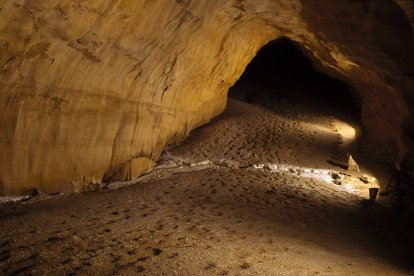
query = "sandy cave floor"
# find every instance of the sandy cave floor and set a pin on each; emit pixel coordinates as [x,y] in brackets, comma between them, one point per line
[250,193]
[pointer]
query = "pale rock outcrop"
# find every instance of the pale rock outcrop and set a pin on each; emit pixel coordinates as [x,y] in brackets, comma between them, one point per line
[93,91]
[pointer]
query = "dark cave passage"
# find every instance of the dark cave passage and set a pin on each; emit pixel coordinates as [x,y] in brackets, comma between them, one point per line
[280,71]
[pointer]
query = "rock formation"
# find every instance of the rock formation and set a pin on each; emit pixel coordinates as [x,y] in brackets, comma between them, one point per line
[93,91]
[408,7]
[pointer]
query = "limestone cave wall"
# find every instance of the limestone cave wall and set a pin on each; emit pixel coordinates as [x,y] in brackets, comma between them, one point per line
[93,91]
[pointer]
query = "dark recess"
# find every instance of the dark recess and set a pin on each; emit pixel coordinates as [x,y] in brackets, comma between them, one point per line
[281,70]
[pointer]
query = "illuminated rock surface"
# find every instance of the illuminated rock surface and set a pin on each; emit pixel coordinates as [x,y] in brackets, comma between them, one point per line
[93,91]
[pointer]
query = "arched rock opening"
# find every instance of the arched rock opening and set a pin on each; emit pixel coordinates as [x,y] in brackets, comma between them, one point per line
[281,70]
[283,79]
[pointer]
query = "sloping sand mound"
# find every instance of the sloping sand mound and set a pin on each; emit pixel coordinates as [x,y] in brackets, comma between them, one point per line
[251,193]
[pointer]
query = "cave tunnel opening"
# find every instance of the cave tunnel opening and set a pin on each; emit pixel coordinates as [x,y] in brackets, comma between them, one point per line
[281,71]
[313,105]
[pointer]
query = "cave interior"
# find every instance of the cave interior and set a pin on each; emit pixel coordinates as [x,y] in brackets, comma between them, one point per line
[300,208]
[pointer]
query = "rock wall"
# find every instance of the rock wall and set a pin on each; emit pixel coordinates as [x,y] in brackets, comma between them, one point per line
[93,91]
[408,7]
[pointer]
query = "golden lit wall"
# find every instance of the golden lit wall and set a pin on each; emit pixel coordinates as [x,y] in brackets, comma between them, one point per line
[95,90]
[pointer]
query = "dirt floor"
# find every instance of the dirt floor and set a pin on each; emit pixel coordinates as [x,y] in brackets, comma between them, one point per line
[251,193]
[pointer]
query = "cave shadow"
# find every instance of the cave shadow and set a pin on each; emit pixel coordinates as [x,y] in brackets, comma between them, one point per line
[281,72]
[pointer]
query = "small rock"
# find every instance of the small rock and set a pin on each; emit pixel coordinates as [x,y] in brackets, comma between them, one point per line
[335,175]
